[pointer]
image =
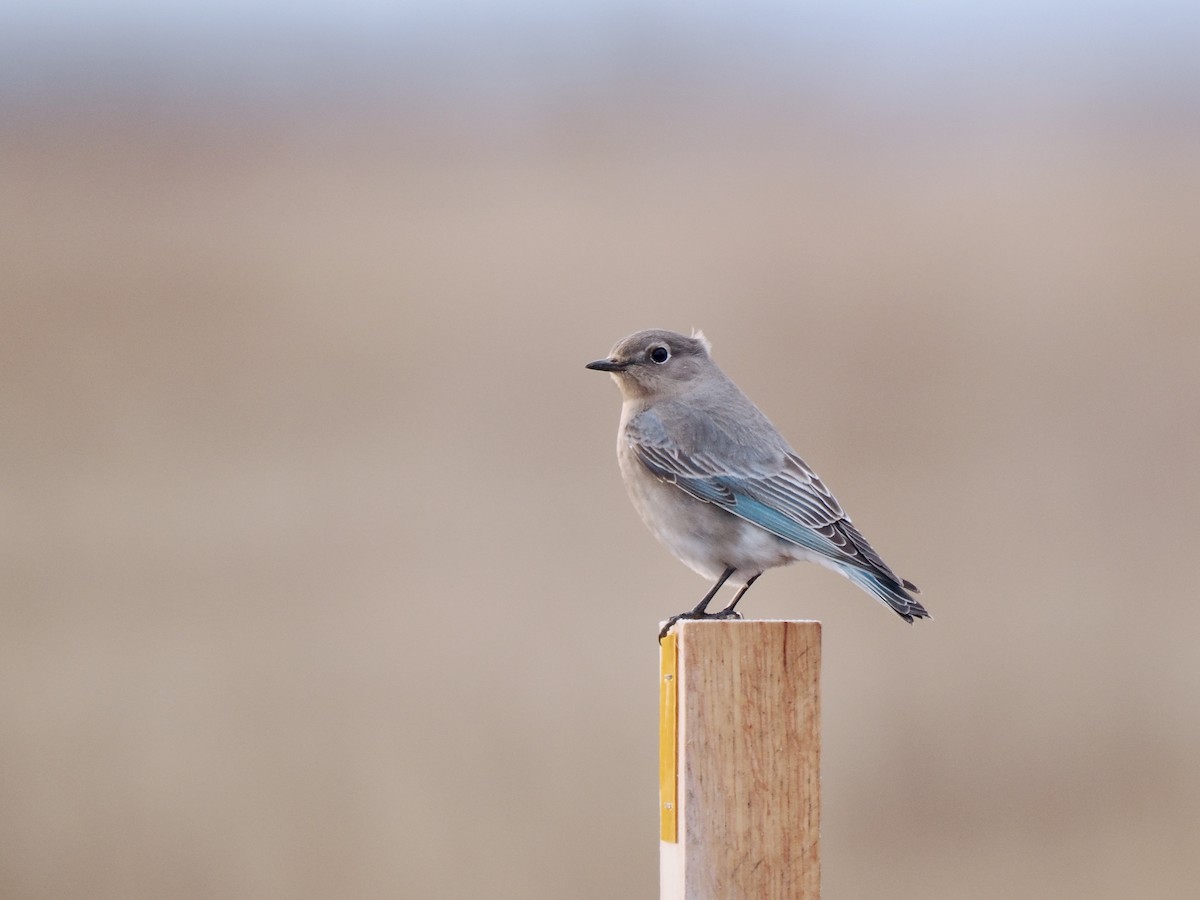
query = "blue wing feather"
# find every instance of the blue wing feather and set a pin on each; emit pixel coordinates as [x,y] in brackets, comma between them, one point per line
[782,495]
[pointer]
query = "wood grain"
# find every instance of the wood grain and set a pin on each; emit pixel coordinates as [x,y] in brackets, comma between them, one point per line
[749,762]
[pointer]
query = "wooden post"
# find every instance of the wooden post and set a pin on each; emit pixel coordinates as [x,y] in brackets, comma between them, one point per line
[740,761]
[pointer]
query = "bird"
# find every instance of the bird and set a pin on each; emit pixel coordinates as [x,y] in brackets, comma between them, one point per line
[719,486]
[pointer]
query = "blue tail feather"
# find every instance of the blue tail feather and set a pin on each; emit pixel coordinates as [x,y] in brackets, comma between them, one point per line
[893,594]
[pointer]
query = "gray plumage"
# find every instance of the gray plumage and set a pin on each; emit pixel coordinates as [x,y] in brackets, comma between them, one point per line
[719,486]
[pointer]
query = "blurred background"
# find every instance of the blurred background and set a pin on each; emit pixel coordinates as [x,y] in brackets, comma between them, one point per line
[318,579]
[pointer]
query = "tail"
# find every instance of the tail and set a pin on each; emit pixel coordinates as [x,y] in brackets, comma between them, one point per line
[893,593]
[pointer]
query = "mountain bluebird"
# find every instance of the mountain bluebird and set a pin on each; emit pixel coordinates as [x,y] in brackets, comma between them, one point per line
[719,486]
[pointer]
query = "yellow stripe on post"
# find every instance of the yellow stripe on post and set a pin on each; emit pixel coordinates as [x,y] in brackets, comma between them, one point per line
[668,735]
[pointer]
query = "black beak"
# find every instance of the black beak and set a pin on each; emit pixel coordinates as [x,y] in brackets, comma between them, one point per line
[606,365]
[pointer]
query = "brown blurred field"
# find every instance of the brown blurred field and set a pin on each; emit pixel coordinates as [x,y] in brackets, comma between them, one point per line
[318,577]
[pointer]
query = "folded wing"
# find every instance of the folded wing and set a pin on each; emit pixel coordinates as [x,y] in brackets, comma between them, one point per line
[777,492]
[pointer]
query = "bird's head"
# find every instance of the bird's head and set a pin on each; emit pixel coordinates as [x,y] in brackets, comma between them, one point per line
[656,363]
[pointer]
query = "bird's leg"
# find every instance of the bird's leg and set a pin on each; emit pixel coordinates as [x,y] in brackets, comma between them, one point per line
[728,612]
[700,612]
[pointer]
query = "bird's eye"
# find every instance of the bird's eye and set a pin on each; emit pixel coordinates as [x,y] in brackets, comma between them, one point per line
[660,354]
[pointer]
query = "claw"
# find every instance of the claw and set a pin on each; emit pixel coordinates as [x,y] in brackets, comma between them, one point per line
[693,614]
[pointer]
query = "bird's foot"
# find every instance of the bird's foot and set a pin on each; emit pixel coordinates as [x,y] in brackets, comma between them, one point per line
[693,614]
